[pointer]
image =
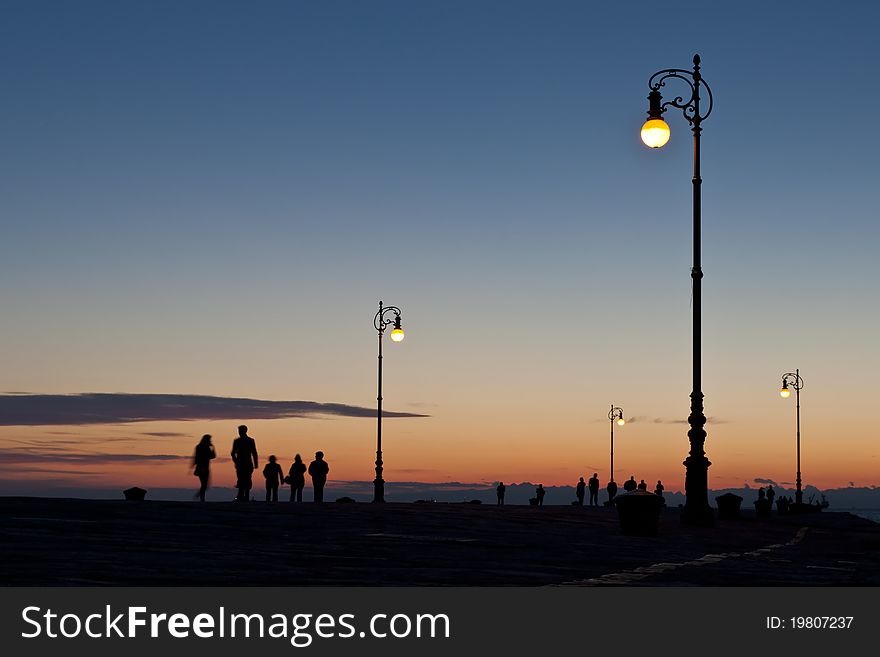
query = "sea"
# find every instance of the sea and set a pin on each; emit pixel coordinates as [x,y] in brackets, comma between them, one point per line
[870,514]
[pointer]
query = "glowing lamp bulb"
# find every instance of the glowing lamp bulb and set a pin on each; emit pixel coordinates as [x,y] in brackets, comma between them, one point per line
[397,335]
[784,392]
[655,133]
[621,421]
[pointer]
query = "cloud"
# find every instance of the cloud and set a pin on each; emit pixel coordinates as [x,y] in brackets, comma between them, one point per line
[57,456]
[165,434]
[118,408]
[762,480]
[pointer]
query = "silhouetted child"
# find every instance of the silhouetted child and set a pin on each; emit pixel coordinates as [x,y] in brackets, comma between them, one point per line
[630,484]
[593,485]
[297,479]
[659,489]
[202,464]
[643,486]
[580,490]
[500,490]
[273,474]
[318,470]
[539,494]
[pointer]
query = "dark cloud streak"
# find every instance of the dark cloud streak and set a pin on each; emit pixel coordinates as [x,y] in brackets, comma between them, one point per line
[121,408]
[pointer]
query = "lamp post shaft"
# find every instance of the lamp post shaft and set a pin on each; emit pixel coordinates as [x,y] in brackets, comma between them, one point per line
[696,509]
[799,493]
[612,451]
[379,483]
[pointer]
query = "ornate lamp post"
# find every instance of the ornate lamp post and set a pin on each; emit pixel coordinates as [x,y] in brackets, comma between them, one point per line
[381,322]
[614,415]
[655,133]
[794,380]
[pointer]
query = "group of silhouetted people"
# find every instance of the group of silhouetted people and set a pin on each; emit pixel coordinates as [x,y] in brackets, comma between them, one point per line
[581,489]
[245,460]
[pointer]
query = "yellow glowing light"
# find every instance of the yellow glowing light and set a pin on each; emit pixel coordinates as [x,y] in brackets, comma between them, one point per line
[621,421]
[655,133]
[397,335]
[784,392]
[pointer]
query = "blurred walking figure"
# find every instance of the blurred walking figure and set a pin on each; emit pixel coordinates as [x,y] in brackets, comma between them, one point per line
[318,470]
[593,485]
[499,490]
[273,474]
[659,489]
[244,456]
[539,494]
[630,484]
[297,479]
[579,491]
[643,486]
[202,464]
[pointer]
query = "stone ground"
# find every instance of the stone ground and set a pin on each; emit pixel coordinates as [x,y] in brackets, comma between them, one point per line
[66,542]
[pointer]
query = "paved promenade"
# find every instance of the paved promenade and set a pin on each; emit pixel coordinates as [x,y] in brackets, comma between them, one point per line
[65,542]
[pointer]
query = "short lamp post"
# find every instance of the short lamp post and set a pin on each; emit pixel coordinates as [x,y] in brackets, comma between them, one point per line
[615,416]
[380,323]
[655,133]
[793,380]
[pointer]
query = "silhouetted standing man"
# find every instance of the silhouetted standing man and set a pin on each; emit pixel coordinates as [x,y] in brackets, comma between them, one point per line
[540,493]
[579,491]
[202,463]
[318,470]
[659,489]
[244,456]
[630,484]
[499,490]
[593,485]
[273,474]
[643,486]
[771,494]
[297,476]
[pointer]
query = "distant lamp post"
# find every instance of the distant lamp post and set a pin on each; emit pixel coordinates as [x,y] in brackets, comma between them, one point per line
[655,133]
[615,416]
[793,380]
[381,322]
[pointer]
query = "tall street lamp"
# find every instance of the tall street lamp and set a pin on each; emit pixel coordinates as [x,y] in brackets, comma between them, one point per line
[615,415]
[381,322]
[655,133]
[794,380]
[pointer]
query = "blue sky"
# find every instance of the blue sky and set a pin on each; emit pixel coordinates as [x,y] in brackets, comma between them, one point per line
[211,197]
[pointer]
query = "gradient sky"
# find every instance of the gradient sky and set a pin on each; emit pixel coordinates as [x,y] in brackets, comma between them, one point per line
[210,198]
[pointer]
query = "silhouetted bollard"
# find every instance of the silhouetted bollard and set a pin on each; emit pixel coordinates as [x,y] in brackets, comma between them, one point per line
[728,506]
[763,507]
[639,513]
[134,494]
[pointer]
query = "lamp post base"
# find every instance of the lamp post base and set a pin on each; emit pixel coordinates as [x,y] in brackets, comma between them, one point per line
[379,490]
[697,511]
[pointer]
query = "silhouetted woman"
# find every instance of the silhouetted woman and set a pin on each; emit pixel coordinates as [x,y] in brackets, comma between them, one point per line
[202,463]
[297,476]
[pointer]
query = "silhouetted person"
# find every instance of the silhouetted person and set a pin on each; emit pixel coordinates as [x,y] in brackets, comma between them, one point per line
[630,484]
[612,491]
[643,486]
[579,491]
[202,464]
[318,470]
[500,490]
[539,494]
[297,476]
[761,493]
[770,493]
[659,489]
[244,456]
[593,485]
[273,474]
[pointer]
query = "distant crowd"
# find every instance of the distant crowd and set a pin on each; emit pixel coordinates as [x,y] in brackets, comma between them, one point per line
[593,485]
[245,460]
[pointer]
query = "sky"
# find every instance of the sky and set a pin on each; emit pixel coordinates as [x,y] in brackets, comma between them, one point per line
[209,199]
